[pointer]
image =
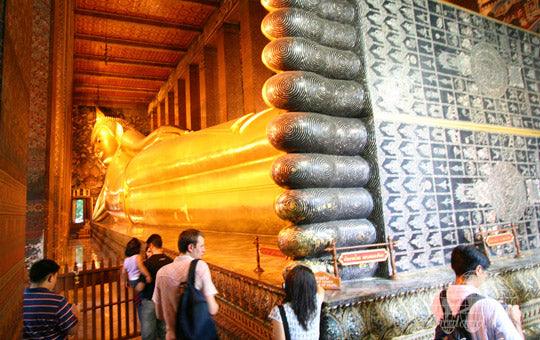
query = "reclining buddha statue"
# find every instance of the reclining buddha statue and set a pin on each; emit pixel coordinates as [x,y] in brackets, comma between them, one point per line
[217,178]
[296,170]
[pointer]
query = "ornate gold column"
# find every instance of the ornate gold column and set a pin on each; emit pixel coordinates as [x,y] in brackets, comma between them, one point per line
[60,142]
[16,61]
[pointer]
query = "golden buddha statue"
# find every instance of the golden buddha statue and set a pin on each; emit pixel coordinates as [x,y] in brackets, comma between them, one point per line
[216,179]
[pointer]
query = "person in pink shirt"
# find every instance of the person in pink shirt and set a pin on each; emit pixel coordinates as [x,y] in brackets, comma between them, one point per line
[168,279]
[486,319]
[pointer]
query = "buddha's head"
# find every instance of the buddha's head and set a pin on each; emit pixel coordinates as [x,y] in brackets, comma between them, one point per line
[106,136]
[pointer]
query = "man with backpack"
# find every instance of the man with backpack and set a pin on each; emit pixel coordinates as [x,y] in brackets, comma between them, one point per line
[171,277]
[151,327]
[462,312]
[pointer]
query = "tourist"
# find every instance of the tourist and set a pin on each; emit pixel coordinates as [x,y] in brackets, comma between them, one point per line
[301,308]
[483,318]
[151,327]
[166,293]
[134,266]
[46,315]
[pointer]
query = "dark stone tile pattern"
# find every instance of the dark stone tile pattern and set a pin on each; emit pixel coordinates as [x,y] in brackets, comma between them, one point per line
[427,59]
[430,180]
[424,50]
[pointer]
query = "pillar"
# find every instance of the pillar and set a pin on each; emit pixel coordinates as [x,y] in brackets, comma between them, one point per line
[209,88]
[181,103]
[194,98]
[59,204]
[231,104]
[15,79]
[170,108]
[254,73]
[37,175]
[162,113]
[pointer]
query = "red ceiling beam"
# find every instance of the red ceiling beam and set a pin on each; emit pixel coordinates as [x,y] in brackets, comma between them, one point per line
[113,87]
[212,3]
[104,102]
[118,75]
[137,20]
[124,61]
[132,43]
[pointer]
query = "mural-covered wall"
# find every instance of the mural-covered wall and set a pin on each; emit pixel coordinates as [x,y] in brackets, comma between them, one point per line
[456,116]
[16,79]
[37,174]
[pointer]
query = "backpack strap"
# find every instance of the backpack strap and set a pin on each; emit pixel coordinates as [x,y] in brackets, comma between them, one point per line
[191,274]
[284,321]
[444,304]
[467,304]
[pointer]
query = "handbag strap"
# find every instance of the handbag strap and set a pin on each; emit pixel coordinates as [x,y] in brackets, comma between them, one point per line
[285,323]
[191,275]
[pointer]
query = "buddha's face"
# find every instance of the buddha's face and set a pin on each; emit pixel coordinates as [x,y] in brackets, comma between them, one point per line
[105,143]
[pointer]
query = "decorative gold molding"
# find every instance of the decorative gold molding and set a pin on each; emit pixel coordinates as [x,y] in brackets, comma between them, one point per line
[455,124]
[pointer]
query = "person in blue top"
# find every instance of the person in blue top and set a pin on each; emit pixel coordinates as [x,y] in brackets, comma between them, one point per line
[46,315]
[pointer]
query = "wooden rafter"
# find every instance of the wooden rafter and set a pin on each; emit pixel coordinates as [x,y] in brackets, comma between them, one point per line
[136,20]
[114,88]
[92,101]
[213,3]
[124,61]
[132,43]
[118,75]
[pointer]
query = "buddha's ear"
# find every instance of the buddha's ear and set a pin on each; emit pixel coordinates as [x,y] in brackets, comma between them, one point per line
[119,130]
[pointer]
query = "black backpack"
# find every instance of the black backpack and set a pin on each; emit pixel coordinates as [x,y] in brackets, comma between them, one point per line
[455,327]
[193,321]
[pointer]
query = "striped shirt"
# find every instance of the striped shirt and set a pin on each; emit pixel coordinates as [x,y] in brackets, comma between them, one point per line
[46,315]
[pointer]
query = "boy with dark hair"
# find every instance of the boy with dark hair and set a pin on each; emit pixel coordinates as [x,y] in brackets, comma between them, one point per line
[151,327]
[462,309]
[46,315]
[166,293]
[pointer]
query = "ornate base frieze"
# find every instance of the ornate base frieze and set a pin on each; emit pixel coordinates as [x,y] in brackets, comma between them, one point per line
[366,309]
[402,310]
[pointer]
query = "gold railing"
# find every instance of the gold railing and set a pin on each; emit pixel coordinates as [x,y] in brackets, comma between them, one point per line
[244,305]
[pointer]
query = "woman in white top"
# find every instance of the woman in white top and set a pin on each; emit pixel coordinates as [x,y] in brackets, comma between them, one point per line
[133,266]
[302,306]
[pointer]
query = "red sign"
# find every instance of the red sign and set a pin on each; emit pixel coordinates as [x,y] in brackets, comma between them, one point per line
[498,239]
[363,256]
[271,252]
[328,281]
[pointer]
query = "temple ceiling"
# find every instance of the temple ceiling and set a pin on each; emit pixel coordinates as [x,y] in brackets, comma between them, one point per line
[125,49]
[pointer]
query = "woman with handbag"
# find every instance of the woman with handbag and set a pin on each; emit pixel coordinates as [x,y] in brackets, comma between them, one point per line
[299,316]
